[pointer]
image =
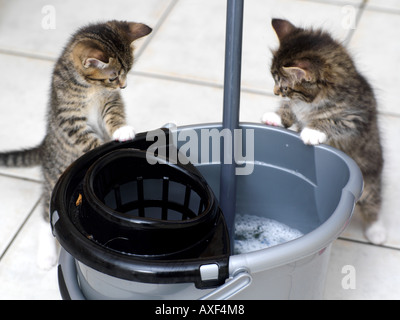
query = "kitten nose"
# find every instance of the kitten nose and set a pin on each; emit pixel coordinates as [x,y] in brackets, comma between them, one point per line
[276,90]
[123,84]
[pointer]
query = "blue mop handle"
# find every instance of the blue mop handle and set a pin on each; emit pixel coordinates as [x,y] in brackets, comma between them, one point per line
[232,77]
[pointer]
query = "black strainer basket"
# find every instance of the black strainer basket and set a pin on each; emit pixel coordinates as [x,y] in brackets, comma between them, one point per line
[156,223]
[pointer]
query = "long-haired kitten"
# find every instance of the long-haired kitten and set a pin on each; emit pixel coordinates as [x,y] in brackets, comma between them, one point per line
[85,107]
[328,101]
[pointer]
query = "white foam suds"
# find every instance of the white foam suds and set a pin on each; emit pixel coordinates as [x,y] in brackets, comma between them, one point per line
[254,233]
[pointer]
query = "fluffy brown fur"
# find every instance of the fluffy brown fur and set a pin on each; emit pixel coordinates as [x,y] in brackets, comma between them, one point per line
[329,101]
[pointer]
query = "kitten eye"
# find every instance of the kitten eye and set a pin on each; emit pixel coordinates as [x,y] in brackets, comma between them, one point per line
[113,79]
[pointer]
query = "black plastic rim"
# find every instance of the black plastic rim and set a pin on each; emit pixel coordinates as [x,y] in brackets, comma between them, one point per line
[127,228]
[143,268]
[138,157]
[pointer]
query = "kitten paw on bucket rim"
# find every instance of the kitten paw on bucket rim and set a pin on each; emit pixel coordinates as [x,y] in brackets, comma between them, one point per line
[124,133]
[272,119]
[312,136]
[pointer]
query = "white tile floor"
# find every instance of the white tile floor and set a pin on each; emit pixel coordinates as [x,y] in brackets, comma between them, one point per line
[183,62]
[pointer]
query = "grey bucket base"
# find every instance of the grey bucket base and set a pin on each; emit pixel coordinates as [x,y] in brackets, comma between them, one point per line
[303,279]
[312,189]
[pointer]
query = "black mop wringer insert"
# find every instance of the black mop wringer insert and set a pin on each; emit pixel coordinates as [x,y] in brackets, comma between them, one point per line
[155,223]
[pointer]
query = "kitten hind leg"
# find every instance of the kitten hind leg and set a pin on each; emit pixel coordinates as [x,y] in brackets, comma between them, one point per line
[370,205]
[47,252]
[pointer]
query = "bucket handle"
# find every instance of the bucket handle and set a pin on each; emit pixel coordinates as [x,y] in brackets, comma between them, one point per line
[241,279]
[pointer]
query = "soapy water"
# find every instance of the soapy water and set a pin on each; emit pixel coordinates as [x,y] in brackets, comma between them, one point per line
[255,233]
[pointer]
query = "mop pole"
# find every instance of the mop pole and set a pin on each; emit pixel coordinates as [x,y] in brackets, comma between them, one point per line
[231,104]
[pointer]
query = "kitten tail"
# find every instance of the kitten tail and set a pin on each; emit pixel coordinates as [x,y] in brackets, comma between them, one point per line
[23,158]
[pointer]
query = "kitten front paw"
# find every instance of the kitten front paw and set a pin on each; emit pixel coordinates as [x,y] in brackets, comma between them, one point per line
[312,136]
[124,133]
[272,119]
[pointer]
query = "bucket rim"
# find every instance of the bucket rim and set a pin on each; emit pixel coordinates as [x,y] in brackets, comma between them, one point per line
[311,243]
[317,240]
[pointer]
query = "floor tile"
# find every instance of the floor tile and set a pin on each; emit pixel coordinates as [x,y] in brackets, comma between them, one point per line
[23,105]
[24,24]
[253,106]
[195,49]
[151,103]
[20,277]
[356,3]
[18,197]
[373,270]
[30,174]
[189,44]
[23,101]
[390,5]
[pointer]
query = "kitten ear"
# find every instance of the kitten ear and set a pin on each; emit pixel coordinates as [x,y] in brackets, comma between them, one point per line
[90,55]
[299,70]
[95,63]
[138,30]
[297,74]
[282,28]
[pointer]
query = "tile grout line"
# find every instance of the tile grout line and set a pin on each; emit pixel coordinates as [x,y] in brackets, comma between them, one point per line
[49,58]
[165,77]
[369,244]
[196,82]
[170,78]
[370,8]
[362,7]
[29,55]
[20,228]
[383,10]
[161,76]
[359,14]
[163,18]
[11,176]
[176,79]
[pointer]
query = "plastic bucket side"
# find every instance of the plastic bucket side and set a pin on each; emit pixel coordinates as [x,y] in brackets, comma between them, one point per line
[291,182]
[313,189]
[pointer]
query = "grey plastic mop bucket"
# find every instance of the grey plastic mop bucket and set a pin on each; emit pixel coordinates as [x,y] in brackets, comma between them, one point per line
[310,188]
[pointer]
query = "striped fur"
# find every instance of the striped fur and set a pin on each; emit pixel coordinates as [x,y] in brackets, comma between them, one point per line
[325,92]
[85,107]
[21,158]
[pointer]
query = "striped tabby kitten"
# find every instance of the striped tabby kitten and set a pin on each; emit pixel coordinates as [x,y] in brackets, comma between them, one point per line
[328,101]
[85,108]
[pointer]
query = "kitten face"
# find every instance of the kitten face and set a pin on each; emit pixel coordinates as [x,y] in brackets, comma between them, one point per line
[287,87]
[103,53]
[110,75]
[301,63]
